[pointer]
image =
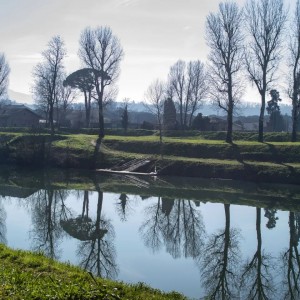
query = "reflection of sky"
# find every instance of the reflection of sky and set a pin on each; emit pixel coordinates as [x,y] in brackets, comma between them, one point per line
[138,263]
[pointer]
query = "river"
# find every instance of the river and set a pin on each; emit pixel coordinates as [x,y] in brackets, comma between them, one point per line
[199,237]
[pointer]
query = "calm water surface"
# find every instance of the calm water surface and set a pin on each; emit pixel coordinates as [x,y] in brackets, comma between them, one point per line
[231,240]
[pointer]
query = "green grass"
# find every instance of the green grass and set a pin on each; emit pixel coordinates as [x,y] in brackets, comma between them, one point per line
[77,141]
[26,275]
[191,154]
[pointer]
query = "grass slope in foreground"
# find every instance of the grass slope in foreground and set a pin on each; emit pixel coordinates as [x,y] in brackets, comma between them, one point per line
[25,275]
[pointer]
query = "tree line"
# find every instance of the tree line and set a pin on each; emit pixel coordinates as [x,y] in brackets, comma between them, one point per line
[246,44]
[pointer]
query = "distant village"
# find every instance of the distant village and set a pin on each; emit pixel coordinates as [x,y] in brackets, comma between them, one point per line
[208,118]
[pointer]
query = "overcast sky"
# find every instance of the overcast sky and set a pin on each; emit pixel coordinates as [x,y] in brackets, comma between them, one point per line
[154,35]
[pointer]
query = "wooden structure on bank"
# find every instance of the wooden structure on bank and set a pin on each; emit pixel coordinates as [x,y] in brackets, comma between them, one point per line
[133,167]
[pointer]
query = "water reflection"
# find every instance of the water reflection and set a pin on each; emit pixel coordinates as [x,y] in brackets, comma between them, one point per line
[256,280]
[96,248]
[176,224]
[123,207]
[2,223]
[97,251]
[220,261]
[168,223]
[291,260]
[48,209]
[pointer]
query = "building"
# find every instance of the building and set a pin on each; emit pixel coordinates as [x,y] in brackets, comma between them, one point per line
[18,116]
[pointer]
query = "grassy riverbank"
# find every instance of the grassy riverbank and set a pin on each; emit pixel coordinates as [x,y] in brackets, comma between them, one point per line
[26,275]
[191,156]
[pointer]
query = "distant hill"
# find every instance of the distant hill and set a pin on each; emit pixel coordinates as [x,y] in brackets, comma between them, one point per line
[245,109]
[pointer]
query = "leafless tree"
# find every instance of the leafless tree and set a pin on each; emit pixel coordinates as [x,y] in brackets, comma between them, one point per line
[66,96]
[294,64]
[4,73]
[101,51]
[48,76]
[225,40]
[265,21]
[187,87]
[198,87]
[155,96]
[177,84]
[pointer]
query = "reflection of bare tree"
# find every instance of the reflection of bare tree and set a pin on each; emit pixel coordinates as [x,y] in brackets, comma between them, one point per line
[256,280]
[2,224]
[175,223]
[47,211]
[122,206]
[220,262]
[152,228]
[97,249]
[291,261]
[85,205]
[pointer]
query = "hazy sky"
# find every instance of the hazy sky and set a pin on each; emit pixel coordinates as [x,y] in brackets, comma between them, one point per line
[154,35]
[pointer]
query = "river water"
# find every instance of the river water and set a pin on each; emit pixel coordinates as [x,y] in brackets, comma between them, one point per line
[227,239]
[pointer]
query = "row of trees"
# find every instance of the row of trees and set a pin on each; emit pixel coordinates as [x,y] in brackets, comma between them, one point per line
[246,41]
[242,41]
[100,53]
[252,39]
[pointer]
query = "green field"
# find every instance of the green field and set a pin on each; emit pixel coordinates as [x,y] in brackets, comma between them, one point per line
[181,156]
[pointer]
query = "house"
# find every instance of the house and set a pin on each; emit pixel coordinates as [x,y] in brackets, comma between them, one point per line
[16,191]
[18,116]
[217,124]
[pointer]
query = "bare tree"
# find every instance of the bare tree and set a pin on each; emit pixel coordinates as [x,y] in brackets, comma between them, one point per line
[187,87]
[265,25]
[100,50]
[225,39]
[4,73]
[177,84]
[155,96]
[48,76]
[198,87]
[294,64]
[66,96]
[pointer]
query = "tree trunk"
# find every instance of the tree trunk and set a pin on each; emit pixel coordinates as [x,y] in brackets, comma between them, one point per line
[101,121]
[87,103]
[294,119]
[229,126]
[261,118]
[51,119]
